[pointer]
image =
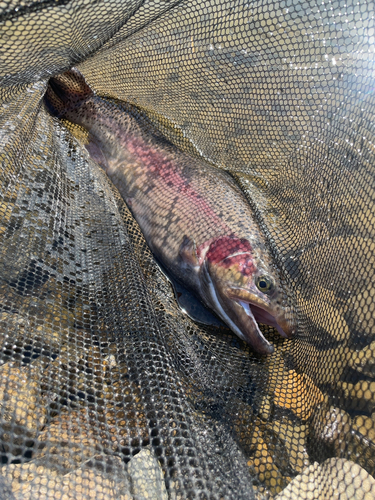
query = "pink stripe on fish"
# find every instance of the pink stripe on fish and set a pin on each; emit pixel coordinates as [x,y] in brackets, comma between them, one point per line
[165,170]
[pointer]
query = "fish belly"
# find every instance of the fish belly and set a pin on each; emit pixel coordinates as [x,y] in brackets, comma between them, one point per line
[170,193]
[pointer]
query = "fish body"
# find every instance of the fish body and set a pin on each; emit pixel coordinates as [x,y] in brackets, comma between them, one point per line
[194,217]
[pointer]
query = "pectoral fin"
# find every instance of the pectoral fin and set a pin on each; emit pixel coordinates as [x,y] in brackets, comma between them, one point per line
[188,252]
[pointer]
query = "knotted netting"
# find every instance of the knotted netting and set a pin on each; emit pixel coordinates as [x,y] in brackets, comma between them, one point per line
[108,389]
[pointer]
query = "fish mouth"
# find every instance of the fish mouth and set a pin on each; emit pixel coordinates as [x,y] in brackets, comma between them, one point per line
[262,316]
[246,320]
[247,315]
[262,309]
[242,309]
[239,317]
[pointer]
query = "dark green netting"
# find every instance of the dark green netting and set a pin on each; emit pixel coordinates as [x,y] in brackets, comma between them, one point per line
[107,389]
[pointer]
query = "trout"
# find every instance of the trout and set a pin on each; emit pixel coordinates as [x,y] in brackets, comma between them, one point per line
[194,217]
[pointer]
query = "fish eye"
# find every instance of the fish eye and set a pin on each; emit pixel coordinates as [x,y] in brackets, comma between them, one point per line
[264,284]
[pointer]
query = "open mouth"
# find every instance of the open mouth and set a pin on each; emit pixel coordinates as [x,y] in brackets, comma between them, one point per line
[259,315]
[242,316]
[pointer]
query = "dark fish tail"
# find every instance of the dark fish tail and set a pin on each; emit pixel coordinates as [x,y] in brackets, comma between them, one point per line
[66,92]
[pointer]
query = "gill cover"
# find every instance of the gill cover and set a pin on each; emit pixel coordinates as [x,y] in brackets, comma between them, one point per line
[233,283]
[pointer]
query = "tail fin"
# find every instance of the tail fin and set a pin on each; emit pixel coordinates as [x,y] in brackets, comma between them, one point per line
[65,92]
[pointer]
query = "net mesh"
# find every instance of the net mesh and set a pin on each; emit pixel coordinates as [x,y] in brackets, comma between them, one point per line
[107,389]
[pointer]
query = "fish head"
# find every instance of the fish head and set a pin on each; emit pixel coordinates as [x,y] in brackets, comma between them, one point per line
[245,289]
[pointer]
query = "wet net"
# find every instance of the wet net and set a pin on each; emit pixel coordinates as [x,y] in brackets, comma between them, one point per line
[108,390]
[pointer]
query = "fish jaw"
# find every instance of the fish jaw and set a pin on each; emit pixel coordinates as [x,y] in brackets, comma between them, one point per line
[265,309]
[239,318]
[229,273]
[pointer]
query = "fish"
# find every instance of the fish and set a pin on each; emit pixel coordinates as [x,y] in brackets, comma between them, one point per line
[193,215]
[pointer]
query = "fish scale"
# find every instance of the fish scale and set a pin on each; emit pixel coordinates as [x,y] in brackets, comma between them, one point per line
[194,217]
